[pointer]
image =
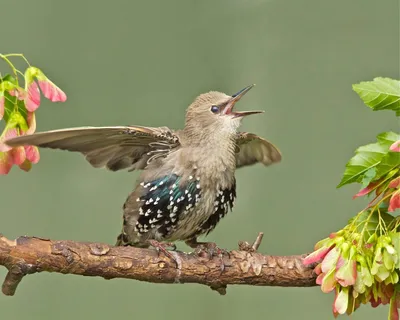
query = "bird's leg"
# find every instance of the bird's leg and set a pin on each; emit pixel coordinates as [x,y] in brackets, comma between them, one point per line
[162,246]
[210,248]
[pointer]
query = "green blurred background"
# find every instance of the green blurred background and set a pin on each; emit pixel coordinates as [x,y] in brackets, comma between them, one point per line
[142,62]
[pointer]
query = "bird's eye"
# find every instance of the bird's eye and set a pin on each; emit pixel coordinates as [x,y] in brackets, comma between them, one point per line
[214,109]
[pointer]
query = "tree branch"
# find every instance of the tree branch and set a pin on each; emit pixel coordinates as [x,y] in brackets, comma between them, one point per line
[27,255]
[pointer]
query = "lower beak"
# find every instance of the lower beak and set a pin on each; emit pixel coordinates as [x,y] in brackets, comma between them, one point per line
[228,109]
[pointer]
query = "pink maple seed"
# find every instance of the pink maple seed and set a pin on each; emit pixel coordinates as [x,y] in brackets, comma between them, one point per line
[32,154]
[32,100]
[31,120]
[317,269]
[328,282]
[367,189]
[394,201]
[5,163]
[18,155]
[2,106]
[342,301]
[395,183]
[330,260]
[10,133]
[51,91]
[18,92]
[320,278]
[317,255]
[347,274]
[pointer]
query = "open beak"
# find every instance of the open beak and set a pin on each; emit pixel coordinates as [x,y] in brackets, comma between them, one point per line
[228,109]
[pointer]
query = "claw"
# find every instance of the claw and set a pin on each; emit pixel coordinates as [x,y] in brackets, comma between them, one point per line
[209,249]
[162,246]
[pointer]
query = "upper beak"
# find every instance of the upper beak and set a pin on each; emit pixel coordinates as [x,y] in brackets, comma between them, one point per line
[228,109]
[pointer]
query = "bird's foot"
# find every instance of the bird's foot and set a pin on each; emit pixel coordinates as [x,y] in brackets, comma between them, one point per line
[162,247]
[209,249]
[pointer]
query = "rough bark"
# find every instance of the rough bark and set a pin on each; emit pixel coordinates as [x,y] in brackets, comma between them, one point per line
[28,255]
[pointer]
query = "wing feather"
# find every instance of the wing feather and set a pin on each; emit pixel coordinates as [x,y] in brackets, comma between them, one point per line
[253,149]
[115,148]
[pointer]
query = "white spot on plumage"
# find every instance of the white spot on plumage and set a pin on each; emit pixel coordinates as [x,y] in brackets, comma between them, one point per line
[141,211]
[171,192]
[198,186]
[161,183]
[190,177]
[175,209]
[138,199]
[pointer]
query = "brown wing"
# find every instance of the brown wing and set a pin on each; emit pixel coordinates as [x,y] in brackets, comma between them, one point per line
[253,149]
[115,148]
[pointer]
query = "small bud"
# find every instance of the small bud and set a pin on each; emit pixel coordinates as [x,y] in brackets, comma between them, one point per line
[395,147]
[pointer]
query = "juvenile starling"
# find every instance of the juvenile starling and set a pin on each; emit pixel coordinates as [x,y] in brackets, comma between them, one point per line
[188,180]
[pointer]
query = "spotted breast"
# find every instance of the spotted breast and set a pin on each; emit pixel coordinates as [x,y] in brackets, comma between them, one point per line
[167,208]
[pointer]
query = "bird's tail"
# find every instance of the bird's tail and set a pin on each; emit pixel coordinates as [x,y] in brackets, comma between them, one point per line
[122,240]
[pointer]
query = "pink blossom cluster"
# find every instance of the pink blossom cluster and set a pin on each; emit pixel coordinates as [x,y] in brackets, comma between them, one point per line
[358,272]
[24,156]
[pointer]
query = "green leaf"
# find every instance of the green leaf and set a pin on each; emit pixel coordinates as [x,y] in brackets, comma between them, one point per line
[380,94]
[368,177]
[388,137]
[389,162]
[9,78]
[9,106]
[359,168]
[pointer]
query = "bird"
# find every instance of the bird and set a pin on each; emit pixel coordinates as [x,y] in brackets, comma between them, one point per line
[187,182]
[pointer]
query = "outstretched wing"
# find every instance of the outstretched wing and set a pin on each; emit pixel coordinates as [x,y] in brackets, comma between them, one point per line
[115,148]
[253,149]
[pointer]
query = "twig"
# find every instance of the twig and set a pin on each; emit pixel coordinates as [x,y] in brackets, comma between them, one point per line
[28,255]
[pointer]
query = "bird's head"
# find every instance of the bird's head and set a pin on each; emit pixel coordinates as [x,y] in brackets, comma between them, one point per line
[213,113]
